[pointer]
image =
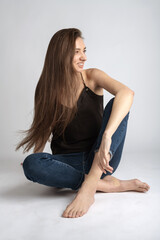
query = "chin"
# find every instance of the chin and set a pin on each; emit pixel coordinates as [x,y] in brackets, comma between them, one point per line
[79,69]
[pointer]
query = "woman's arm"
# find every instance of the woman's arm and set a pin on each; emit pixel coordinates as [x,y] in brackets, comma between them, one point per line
[122,102]
[121,106]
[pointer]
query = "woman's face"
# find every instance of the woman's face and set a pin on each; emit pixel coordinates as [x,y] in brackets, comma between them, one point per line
[79,56]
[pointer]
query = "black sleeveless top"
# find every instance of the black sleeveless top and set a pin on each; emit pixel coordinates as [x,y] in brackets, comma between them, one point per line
[83,130]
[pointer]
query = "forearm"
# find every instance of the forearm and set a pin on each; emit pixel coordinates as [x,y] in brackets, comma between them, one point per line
[121,106]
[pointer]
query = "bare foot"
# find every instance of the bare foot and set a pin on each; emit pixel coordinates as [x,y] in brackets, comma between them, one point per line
[112,184]
[81,203]
[85,196]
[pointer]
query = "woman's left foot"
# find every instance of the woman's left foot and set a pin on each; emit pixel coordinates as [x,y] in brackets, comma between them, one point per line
[82,202]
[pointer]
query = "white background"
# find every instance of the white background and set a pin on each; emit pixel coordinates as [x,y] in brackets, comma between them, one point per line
[122,38]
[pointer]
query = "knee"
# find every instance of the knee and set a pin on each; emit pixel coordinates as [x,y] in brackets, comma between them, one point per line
[33,159]
[110,103]
[28,166]
[127,116]
[108,107]
[33,164]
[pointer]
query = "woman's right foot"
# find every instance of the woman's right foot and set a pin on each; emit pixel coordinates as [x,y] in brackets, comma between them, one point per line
[112,184]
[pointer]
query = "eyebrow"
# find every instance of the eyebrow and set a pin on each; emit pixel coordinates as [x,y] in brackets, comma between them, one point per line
[80,49]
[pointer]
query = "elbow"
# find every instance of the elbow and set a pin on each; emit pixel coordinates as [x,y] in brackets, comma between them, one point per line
[127,91]
[131,92]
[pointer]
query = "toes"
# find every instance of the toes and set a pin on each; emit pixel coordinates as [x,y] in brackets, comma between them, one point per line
[76,214]
[70,213]
[73,213]
[141,185]
[141,189]
[79,214]
[146,186]
[65,213]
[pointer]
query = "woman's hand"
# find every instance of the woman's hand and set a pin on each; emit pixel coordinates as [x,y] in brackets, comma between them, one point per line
[103,155]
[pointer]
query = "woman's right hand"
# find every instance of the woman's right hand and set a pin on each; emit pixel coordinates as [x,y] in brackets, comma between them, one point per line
[103,155]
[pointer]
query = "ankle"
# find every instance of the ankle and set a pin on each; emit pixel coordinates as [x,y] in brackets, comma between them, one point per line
[91,180]
[89,184]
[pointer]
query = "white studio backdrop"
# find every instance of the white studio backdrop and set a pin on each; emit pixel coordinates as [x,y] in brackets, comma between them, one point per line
[122,38]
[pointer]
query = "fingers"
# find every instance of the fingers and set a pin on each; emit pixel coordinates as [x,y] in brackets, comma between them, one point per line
[109,169]
[105,166]
[103,170]
[103,162]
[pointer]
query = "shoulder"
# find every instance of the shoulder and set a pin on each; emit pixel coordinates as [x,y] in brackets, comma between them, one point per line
[103,81]
[95,74]
[92,71]
[91,75]
[89,72]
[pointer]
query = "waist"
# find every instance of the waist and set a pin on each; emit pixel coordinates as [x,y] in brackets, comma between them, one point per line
[61,147]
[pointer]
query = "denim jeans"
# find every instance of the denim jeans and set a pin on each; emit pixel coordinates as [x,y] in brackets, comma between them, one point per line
[68,170]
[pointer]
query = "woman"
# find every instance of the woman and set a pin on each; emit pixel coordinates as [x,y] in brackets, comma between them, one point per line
[87,140]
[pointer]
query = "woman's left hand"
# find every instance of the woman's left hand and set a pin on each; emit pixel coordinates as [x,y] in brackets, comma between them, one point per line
[104,155]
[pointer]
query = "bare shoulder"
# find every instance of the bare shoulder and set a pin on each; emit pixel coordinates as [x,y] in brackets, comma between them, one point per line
[103,81]
[89,73]
[92,74]
[91,81]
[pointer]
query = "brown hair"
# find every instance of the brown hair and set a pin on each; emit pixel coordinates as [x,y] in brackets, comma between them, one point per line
[57,84]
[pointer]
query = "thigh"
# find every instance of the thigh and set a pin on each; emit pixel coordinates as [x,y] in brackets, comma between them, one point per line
[76,160]
[58,171]
[45,159]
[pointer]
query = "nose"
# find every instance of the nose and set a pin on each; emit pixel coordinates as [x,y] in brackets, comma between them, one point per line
[83,57]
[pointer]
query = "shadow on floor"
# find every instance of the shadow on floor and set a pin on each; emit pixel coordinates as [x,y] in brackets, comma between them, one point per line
[29,190]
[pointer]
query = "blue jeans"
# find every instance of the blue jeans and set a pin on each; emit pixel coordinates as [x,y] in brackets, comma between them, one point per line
[68,170]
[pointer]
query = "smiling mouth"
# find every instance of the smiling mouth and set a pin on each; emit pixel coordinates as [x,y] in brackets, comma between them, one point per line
[80,65]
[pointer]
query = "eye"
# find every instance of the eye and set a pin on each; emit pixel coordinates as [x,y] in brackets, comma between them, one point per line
[77,51]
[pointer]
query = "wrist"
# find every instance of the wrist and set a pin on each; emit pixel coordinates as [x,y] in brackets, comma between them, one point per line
[107,134]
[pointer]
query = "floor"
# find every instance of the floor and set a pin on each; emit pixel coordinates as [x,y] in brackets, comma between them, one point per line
[32,211]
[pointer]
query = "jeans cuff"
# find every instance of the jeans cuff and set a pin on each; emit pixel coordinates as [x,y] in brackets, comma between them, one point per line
[80,182]
[96,150]
[111,154]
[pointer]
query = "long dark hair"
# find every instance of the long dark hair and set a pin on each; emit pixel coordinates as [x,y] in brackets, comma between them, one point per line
[57,84]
